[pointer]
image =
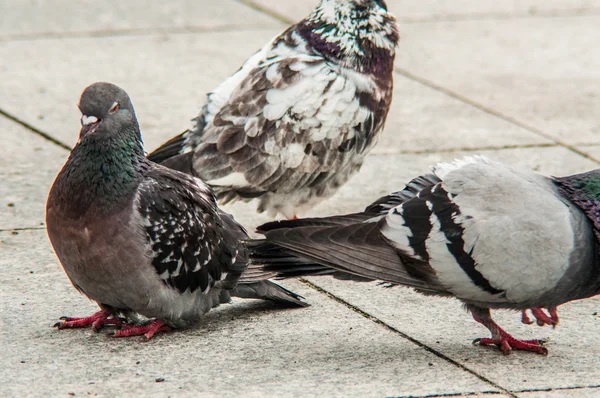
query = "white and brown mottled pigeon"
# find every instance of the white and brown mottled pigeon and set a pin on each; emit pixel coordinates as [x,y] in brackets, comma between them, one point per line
[139,238]
[490,235]
[296,121]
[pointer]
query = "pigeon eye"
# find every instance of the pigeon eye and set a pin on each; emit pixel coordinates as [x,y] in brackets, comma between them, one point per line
[114,107]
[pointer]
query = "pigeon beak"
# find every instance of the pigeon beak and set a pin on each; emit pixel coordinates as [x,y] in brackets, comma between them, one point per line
[88,123]
[85,120]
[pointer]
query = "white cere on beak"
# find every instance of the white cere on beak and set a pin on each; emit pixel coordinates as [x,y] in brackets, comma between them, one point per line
[85,120]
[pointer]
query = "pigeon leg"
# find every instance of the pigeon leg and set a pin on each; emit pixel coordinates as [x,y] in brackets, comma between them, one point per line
[96,320]
[544,319]
[500,337]
[553,315]
[525,318]
[148,330]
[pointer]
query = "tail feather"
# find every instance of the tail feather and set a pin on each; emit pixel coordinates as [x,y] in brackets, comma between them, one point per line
[351,244]
[171,148]
[271,261]
[226,194]
[268,290]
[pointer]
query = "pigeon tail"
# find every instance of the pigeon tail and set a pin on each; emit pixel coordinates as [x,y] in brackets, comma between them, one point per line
[172,155]
[269,260]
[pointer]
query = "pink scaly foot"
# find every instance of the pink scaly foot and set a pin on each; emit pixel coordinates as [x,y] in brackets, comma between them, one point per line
[96,320]
[541,317]
[148,330]
[501,338]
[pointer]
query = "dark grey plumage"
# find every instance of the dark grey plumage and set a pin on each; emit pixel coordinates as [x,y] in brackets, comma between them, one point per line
[487,234]
[139,238]
[297,120]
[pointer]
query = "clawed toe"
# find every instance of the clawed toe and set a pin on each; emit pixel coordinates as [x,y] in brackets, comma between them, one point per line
[148,330]
[506,345]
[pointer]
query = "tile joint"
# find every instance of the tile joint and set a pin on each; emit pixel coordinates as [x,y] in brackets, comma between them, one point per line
[407,337]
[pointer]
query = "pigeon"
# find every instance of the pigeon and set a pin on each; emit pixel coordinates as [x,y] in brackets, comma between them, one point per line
[296,121]
[490,235]
[145,242]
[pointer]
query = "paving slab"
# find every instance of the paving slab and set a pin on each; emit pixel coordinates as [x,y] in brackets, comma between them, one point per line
[167,77]
[445,326]
[591,150]
[428,10]
[422,119]
[63,17]
[249,348]
[28,166]
[539,71]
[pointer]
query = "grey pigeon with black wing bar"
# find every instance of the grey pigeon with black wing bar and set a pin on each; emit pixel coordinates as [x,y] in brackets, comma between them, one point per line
[490,235]
[140,239]
[296,121]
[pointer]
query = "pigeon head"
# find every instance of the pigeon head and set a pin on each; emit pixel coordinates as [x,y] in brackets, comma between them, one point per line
[107,113]
[361,34]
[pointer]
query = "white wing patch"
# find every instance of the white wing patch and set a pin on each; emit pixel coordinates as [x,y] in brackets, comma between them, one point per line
[397,233]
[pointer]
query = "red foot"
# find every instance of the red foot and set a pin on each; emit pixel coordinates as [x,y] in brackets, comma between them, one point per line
[502,339]
[148,330]
[97,320]
[507,343]
[541,317]
[295,217]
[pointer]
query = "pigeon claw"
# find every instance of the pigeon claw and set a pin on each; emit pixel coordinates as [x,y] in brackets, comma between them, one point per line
[96,321]
[148,330]
[509,343]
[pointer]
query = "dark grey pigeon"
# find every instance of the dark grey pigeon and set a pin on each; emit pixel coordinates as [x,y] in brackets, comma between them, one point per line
[142,240]
[490,235]
[296,121]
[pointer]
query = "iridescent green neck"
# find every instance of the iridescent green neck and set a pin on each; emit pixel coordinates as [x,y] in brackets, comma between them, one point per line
[584,190]
[102,173]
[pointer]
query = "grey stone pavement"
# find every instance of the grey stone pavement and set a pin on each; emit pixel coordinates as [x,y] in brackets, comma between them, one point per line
[518,81]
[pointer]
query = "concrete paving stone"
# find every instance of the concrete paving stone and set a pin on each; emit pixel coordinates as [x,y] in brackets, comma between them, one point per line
[424,119]
[249,348]
[539,71]
[567,393]
[167,77]
[28,166]
[407,10]
[592,150]
[45,18]
[445,326]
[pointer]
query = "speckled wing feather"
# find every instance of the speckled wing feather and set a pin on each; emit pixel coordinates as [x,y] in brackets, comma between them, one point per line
[193,245]
[294,122]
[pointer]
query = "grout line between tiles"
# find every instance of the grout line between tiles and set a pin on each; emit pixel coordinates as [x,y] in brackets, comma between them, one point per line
[407,337]
[35,130]
[497,16]
[500,16]
[465,149]
[273,14]
[22,229]
[130,32]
